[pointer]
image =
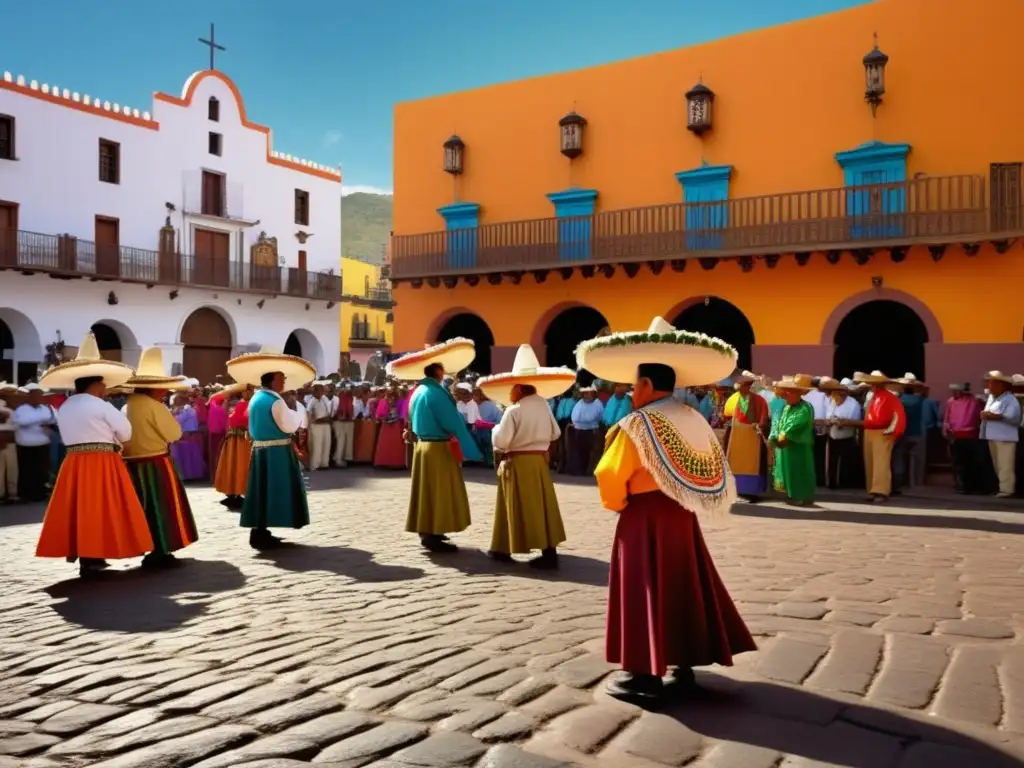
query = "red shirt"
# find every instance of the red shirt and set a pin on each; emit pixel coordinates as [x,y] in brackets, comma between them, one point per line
[885,412]
[239,418]
[345,409]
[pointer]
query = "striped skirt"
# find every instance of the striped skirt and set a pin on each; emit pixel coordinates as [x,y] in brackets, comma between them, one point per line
[164,501]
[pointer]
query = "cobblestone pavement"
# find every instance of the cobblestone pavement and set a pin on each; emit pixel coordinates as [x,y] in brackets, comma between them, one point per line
[887,640]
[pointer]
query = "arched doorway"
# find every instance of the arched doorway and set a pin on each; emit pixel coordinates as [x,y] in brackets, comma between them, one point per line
[470,326]
[565,332]
[721,319]
[208,342]
[882,335]
[293,346]
[304,344]
[21,350]
[108,341]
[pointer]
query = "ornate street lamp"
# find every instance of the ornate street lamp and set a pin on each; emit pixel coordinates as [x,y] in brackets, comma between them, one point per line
[571,127]
[698,108]
[453,149]
[874,76]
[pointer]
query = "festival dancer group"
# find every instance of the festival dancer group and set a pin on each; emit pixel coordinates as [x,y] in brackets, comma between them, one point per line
[661,470]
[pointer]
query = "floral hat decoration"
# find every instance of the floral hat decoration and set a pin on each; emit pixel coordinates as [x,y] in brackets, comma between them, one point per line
[697,359]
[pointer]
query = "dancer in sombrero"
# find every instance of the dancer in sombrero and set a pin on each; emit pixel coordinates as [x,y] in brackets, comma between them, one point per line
[438,504]
[662,469]
[275,495]
[147,456]
[94,514]
[526,513]
[232,471]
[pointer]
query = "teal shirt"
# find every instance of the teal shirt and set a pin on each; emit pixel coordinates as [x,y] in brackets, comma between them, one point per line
[564,410]
[433,416]
[615,410]
[261,421]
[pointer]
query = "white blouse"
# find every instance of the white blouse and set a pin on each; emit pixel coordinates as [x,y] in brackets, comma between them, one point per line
[528,425]
[88,419]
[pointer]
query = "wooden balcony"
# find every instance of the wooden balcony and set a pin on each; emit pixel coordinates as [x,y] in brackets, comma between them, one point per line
[68,257]
[933,210]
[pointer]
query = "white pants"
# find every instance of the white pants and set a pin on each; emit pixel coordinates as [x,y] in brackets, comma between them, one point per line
[9,471]
[344,434]
[319,446]
[1004,458]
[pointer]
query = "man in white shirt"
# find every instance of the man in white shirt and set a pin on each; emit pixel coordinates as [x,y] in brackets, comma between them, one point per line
[8,451]
[819,402]
[464,402]
[319,410]
[33,421]
[843,451]
[1000,425]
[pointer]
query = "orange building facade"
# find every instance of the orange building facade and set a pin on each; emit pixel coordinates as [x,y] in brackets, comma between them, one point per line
[823,210]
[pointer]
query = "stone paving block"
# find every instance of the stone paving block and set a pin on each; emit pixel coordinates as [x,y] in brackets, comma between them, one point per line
[528,689]
[911,670]
[659,738]
[587,729]
[383,739]
[509,727]
[27,743]
[47,710]
[851,663]
[508,756]
[907,625]
[254,700]
[184,750]
[856,618]
[733,754]
[791,659]
[104,741]
[293,712]
[204,697]
[970,691]
[977,628]
[556,702]
[112,729]
[79,718]
[441,750]
[801,610]
[582,672]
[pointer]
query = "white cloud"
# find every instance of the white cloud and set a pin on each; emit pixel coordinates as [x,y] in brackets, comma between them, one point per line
[348,189]
[332,137]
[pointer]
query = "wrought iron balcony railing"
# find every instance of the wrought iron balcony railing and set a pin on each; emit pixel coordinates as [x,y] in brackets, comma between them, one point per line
[926,210]
[71,257]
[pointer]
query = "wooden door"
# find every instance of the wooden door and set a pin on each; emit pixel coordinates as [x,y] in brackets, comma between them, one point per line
[213,194]
[8,235]
[207,344]
[108,247]
[212,258]
[1005,181]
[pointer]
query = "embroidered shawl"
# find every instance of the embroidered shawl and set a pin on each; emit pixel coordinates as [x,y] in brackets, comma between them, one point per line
[665,434]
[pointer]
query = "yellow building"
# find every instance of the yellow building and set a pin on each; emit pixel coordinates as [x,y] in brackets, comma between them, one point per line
[367,323]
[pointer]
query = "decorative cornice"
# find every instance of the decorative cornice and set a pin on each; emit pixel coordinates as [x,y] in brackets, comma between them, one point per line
[572,195]
[872,152]
[706,174]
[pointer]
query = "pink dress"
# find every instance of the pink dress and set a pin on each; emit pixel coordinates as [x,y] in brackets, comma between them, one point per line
[390,451]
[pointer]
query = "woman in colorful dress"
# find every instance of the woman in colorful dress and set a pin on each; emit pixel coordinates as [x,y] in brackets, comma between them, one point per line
[94,514]
[147,457]
[232,472]
[188,451]
[365,431]
[792,438]
[216,427]
[390,450]
[746,437]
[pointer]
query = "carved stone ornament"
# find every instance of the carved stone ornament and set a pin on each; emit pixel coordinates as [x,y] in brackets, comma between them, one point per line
[302,237]
[264,251]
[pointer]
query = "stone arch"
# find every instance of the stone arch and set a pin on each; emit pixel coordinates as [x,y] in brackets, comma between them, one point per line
[881,334]
[21,348]
[469,325]
[304,344]
[114,339]
[931,323]
[208,338]
[717,317]
[564,329]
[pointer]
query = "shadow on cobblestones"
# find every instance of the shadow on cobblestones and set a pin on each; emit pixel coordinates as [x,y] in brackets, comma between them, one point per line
[572,568]
[357,564]
[826,731]
[138,601]
[879,518]
[21,514]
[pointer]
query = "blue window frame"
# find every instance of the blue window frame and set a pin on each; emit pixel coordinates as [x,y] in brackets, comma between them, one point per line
[702,188]
[461,220]
[574,209]
[876,199]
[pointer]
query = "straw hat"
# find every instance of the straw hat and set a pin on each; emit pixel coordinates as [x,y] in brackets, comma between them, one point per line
[6,386]
[696,358]
[744,377]
[801,382]
[999,376]
[88,364]
[875,377]
[150,373]
[455,355]
[1018,380]
[910,380]
[549,382]
[252,366]
[828,384]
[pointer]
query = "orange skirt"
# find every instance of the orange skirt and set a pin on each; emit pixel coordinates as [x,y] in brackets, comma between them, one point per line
[233,465]
[94,511]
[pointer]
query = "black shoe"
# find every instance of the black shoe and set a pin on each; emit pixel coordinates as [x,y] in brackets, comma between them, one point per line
[681,683]
[228,501]
[436,543]
[159,561]
[548,560]
[89,568]
[262,539]
[642,690]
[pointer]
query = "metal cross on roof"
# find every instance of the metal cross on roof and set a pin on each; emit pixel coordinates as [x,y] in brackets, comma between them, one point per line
[212,42]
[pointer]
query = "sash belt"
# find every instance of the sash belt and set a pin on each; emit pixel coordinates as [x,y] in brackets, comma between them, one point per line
[434,439]
[147,456]
[513,454]
[237,432]
[271,443]
[94,448]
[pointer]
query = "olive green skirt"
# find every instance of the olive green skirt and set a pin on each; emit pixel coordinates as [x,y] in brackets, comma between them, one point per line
[526,514]
[438,502]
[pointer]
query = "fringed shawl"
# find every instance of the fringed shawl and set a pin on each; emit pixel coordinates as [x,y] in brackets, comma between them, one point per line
[664,434]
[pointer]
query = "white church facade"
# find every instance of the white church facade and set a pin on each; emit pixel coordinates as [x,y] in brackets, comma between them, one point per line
[180,227]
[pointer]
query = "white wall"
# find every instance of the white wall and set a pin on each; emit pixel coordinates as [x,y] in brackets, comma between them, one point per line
[55,180]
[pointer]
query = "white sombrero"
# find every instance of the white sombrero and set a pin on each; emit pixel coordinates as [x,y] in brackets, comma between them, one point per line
[875,377]
[999,376]
[87,365]
[526,369]
[252,366]
[744,377]
[151,373]
[455,355]
[696,358]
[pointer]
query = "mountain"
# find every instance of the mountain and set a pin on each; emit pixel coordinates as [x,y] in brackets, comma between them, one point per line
[366,225]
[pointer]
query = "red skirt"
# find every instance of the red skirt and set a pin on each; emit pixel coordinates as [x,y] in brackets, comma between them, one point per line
[667,606]
[390,451]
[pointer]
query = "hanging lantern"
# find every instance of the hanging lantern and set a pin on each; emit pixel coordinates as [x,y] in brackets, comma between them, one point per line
[453,155]
[874,76]
[571,127]
[698,108]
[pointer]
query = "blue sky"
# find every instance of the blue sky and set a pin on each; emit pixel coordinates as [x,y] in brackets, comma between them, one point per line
[324,75]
